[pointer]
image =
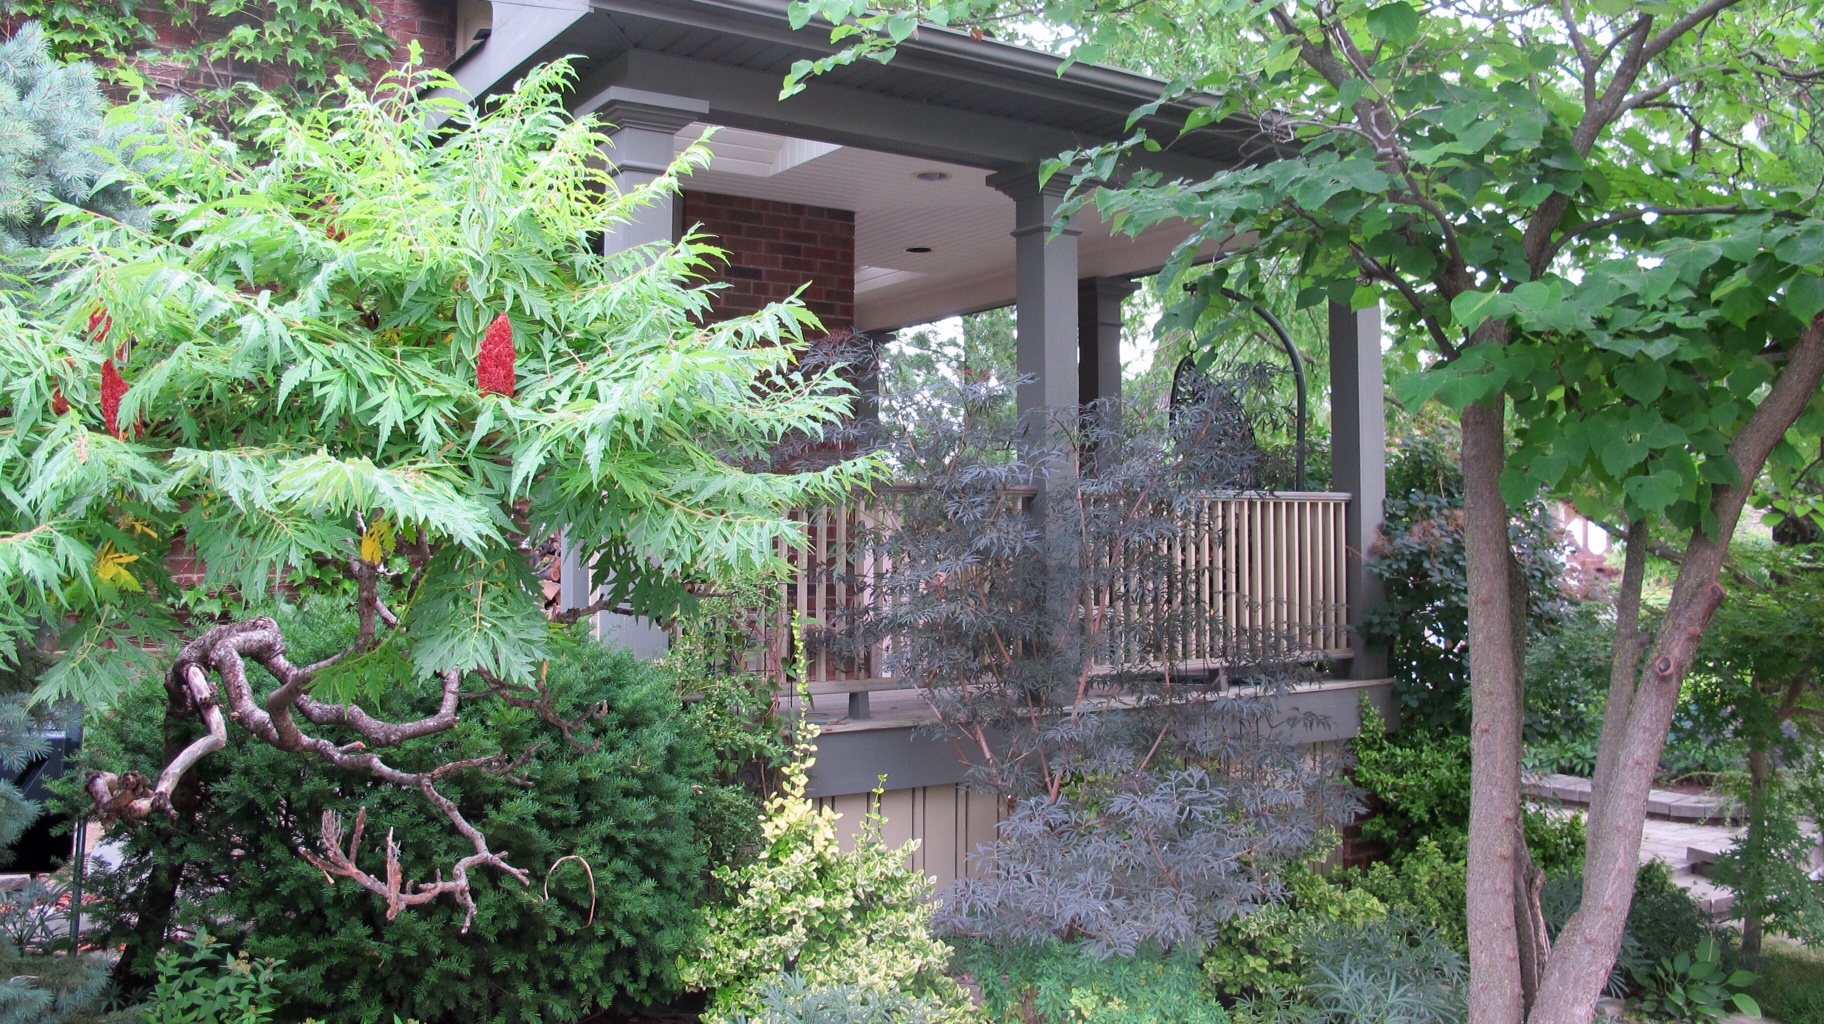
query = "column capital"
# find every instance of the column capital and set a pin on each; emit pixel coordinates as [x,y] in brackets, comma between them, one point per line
[1023,183]
[623,108]
[1109,287]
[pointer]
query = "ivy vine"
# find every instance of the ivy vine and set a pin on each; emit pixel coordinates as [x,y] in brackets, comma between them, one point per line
[308,43]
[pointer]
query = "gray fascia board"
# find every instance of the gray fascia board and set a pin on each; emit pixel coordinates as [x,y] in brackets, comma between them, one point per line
[911,757]
[955,56]
[741,98]
[944,51]
[515,47]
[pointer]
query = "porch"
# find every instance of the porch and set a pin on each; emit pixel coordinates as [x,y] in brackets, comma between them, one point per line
[901,194]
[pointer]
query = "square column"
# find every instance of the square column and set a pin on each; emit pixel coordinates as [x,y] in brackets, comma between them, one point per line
[1046,292]
[1358,447]
[643,127]
[1099,337]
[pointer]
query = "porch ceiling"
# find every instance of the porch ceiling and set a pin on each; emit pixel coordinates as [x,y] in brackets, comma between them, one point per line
[965,224]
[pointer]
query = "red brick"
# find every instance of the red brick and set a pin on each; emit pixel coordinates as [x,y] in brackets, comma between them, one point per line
[774,249]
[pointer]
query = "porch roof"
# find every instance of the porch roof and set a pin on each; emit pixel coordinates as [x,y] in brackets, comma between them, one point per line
[945,96]
[907,146]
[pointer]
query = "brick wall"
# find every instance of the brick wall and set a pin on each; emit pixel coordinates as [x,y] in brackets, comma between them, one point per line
[774,248]
[431,23]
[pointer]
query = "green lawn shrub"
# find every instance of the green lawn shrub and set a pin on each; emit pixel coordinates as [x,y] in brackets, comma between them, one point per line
[1663,920]
[859,918]
[1386,944]
[1427,886]
[1266,951]
[1065,983]
[1418,782]
[627,810]
[1394,970]
[789,999]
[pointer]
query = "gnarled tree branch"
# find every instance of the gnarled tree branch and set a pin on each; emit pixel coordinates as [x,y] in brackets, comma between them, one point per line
[223,651]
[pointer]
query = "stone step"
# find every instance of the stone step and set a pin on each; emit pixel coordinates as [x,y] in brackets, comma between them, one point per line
[1572,791]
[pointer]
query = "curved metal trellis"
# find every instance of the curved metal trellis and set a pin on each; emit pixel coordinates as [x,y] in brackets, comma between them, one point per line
[1188,382]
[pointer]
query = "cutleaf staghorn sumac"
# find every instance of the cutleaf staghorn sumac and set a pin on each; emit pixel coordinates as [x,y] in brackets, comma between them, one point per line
[307,387]
[494,363]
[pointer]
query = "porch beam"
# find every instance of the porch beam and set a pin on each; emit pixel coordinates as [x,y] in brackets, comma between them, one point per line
[824,112]
[1358,446]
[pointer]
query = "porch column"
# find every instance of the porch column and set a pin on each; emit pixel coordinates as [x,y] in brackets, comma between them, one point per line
[1045,290]
[1099,338]
[1358,452]
[643,127]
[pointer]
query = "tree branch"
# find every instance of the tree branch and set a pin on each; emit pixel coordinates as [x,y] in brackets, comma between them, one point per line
[1662,42]
[223,650]
[1622,217]
[571,615]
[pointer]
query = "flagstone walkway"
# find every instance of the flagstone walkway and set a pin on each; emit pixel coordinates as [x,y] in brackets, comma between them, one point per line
[1685,830]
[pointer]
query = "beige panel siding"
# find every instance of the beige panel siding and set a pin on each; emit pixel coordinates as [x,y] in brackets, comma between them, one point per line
[949,822]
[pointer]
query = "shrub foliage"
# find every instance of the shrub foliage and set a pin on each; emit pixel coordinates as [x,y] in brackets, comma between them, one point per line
[859,918]
[606,924]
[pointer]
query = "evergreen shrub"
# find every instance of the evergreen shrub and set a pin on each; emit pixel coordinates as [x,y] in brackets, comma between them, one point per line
[1419,782]
[859,918]
[1424,622]
[627,810]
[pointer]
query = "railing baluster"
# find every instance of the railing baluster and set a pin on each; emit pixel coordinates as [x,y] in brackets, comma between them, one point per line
[1244,563]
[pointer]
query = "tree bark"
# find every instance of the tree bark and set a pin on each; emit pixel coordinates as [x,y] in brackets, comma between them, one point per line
[1587,947]
[1533,938]
[1497,994]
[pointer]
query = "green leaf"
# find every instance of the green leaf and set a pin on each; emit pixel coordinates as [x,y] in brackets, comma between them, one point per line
[1804,247]
[1657,491]
[1517,486]
[479,614]
[1396,23]
[1470,309]
[1805,297]
[1415,389]
[366,677]
[1642,381]
[1620,455]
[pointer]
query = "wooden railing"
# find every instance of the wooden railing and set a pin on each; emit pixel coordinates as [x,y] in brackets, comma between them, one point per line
[1248,563]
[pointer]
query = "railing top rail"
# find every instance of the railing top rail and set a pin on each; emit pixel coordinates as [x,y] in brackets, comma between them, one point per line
[1031,492]
[1281,495]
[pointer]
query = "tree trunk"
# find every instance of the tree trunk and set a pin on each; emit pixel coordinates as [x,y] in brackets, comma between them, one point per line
[1758,775]
[1496,991]
[1587,947]
[1533,938]
[135,971]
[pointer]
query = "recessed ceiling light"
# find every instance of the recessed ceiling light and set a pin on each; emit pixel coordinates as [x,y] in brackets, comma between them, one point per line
[932,175]
[918,248]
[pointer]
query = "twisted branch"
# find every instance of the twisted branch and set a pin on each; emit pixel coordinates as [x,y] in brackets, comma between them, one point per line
[223,651]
